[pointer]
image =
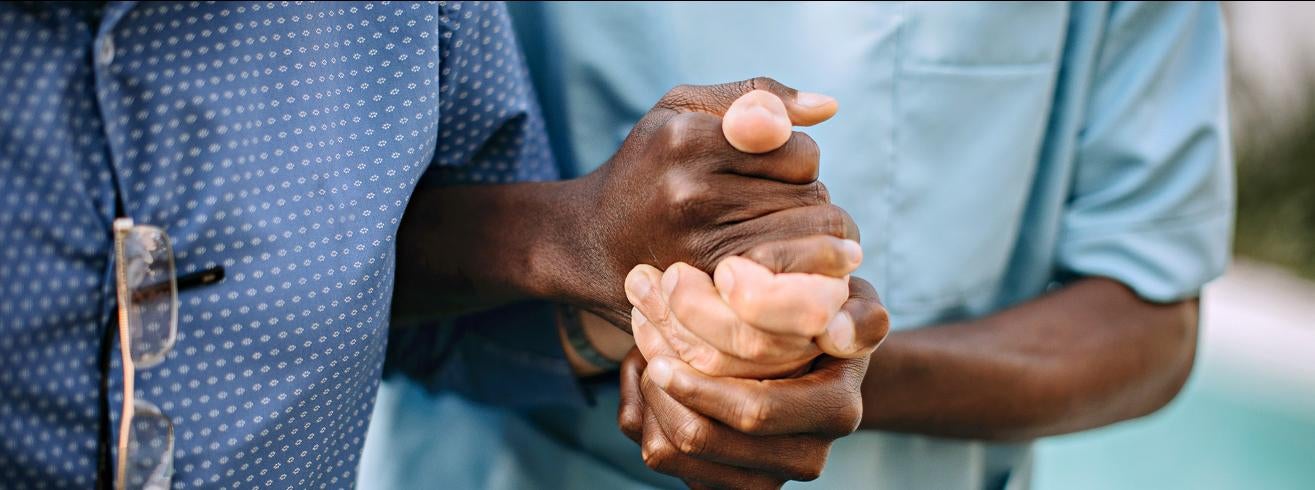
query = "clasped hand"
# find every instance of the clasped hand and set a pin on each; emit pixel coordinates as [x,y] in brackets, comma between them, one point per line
[744,378]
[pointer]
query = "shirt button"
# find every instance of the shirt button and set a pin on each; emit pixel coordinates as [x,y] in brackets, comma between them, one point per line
[105,55]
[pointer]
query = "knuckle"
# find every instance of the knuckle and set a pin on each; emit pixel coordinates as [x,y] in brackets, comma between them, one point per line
[880,319]
[628,421]
[657,453]
[699,356]
[733,90]
[758,350]
[830,253]
[677,97]
[685,197]
[693,437]
[753,416]
[807,156]
[690,135]
[748,303]
[629,428]
[691,306]
[820,192]
[810,461]
[707,361]
[768,255]
[809,471]
[871,316]
[789,261]
[814,319]
[689,353]
[765,83]
[831,221]
[848,417]
[823,193]
[677,133]
[750,346]
[657,313]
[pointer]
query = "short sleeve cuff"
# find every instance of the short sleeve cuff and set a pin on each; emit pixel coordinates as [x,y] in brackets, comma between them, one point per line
[1162,262]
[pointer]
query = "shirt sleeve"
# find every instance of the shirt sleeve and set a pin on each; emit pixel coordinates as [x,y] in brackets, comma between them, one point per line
[490,131]
[1151,203]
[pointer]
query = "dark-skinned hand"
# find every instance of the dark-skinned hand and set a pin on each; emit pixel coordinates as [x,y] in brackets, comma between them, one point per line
[679,191]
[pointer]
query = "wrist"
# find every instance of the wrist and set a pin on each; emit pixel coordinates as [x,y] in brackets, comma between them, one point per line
[553,267]
[606,338]
[570,262]
[899,378]
[591,344]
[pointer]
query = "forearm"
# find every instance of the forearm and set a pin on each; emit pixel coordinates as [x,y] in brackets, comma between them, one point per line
[1088,355]
[467,248]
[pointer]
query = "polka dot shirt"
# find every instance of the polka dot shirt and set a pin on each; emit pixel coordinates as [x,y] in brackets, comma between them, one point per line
[280,140]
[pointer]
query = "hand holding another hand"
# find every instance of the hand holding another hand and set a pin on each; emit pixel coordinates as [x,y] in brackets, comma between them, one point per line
[679,190]
[692,394]
[752,321]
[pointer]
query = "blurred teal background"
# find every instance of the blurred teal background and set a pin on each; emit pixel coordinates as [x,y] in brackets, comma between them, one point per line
[1246,419]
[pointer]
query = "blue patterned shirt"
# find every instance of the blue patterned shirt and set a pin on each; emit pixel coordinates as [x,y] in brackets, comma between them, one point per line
[280,140]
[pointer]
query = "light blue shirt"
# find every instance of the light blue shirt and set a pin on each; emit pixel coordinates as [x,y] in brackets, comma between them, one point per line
[988,152]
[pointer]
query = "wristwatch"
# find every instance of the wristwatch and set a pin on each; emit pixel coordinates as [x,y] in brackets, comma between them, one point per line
[573,327]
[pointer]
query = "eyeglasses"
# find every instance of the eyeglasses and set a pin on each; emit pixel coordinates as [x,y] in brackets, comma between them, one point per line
[147,293]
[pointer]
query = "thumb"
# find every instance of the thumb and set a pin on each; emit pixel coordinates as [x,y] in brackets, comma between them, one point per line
[756,123]
[802,108]
[861,325]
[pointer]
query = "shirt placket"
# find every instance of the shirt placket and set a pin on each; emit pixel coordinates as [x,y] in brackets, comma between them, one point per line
[111,111]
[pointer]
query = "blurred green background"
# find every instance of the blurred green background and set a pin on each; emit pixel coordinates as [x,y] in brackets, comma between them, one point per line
[1247,417]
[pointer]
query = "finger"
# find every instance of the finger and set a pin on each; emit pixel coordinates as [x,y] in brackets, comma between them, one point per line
[655,328]
[661,456]
[728,194]
[788,304]
[804,108]
[824,401]
[824,219]
[698,136]
[649,338]
[817,254]
[793,457]
[630,411]
[796,159]
[714,340]
[641,287]
[700,313]
[672,338]
[861,325]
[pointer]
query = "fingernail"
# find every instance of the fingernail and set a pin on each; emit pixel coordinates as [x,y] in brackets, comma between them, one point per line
[660,372]
[638,284]
[853,252]
[841,331]
[812,100]
[670,278]
[725,279]
[637,319]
